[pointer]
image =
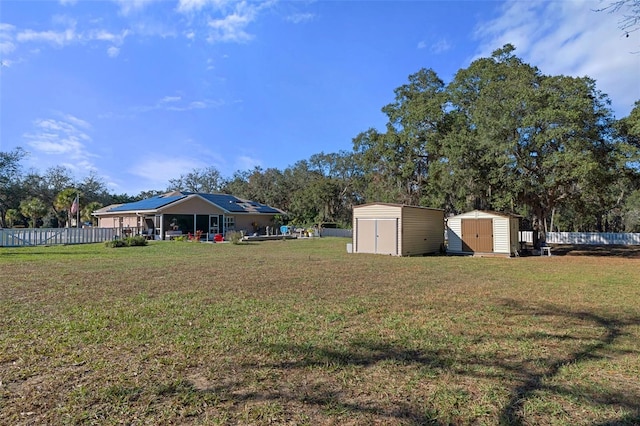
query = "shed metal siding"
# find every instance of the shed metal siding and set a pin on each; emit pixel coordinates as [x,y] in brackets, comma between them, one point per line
[514,225]
[423,231]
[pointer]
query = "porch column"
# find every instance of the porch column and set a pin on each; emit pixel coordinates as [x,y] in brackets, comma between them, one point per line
[195,224]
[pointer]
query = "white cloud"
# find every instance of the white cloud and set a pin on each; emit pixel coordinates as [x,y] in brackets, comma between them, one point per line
[68,2]
[168,99]
[231,28]
[244,162]
[197,105]
[188,6]
[58,38]
[60,141]
[6,38]
[6,47]
[104,35]
[77,121]
[207,103]
[569,38]
[130,6]
[158,170]
[177,103]
[440,46]
[113,52]
[67,37]
[422,44]
[4,27]
[298,18]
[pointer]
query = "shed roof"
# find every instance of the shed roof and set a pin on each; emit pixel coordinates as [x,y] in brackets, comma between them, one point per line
[489,212]
[396,205]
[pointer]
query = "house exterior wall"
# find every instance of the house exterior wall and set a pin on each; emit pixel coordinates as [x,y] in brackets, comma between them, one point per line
[195,208]
[128,221]
[195,205]
[244,222]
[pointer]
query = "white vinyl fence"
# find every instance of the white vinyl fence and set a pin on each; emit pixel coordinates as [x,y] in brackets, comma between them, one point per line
[591,238]
[53,236]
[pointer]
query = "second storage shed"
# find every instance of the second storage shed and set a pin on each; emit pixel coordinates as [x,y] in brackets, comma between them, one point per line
[397,229]
[483,232]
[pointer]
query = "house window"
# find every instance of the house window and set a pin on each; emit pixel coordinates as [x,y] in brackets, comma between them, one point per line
[229,223]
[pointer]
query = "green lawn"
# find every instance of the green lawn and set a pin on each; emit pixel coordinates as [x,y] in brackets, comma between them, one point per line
[300,332]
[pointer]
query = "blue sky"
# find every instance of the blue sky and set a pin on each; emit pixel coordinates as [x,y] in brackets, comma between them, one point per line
[141,91]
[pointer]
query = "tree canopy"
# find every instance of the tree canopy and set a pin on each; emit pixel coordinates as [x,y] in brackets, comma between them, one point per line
[501,135]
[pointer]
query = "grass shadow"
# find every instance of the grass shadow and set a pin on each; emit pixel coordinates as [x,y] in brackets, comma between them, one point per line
[534,381]
[619,251]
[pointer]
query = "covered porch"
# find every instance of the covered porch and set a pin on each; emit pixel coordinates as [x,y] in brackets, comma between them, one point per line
[168,226]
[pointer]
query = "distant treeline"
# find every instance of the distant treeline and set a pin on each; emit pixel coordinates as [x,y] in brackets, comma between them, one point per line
[500,136]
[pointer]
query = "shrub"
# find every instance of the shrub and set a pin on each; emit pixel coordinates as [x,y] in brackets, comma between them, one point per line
[234,236]
[138,240]
[115,243]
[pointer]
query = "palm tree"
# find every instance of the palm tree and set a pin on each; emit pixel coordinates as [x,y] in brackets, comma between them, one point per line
[13,216]
[33,208]
[86,216]
[64,200]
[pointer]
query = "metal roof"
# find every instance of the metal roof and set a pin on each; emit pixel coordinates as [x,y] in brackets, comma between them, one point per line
[152,203]
[224,201]
[238,205]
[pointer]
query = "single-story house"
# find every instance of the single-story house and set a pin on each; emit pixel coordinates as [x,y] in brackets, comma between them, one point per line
[482,232]
[179,212]
[397,229]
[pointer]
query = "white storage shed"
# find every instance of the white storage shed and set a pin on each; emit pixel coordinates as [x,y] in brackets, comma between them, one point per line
[483,232]
[397,229]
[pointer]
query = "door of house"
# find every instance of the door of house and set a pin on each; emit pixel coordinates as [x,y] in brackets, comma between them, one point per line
[214,227]
[216,224]
[477,235]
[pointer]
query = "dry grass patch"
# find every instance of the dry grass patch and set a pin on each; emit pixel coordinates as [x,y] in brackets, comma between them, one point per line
[299,332]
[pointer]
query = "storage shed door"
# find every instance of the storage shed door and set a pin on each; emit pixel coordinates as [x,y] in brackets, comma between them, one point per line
[378,236]
[387,236]
[477,235]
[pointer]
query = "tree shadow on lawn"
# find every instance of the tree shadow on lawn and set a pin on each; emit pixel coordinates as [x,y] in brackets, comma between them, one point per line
[534,381]
[528,378]
[621,251]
